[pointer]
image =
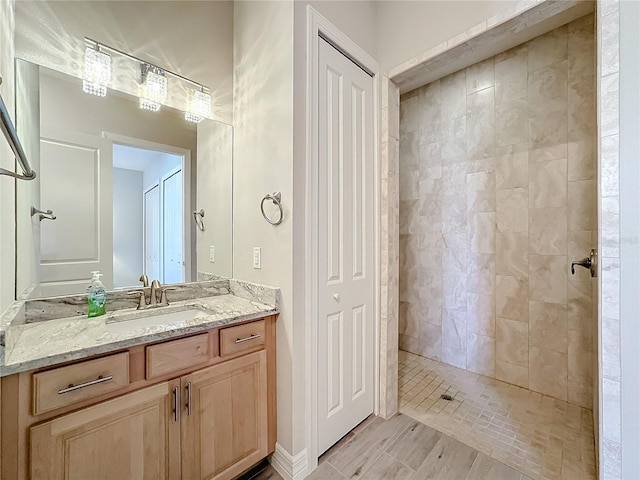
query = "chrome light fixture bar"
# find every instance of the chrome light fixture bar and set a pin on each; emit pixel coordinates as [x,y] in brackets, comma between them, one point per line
[155,89]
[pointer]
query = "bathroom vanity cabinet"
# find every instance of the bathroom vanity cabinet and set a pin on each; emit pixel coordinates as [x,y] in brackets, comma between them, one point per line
[201,406]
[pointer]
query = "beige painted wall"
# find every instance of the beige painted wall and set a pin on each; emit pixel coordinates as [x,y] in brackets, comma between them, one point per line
[406,29]
[214,195]
[188,37]
[263,163]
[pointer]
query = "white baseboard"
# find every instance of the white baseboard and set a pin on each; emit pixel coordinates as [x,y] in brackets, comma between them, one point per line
[289,467]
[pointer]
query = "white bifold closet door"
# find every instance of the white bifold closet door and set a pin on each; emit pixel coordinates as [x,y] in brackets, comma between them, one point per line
[346,240]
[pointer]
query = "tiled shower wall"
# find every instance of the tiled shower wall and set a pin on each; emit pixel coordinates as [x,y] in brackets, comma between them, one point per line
[497,197]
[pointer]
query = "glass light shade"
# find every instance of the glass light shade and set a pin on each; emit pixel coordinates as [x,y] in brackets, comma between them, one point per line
[149,105]
[200,107]
[155,87]
[97,72]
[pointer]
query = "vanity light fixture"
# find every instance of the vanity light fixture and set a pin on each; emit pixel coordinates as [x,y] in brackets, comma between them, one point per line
[153,88]
[97,71]
[200,106]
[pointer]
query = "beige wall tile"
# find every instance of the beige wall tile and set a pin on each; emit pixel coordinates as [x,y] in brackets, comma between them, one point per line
[511,74]
[582,104]
[512,170]
[582,150]
[548,49]
[548,372]
[408,344]
[481,192]
[481,308]
[512,122]
[548,326]
[548,231]
[454,329]
[582,205]
[512,298]
[548,184]
[481,354]
[480,76]
[512,254]
[580,308]
[548,278]
[512,342]
[512,210]
[482,232]
[454,356]
[481,273]
[514,374]
[580,378]
[409,319]
[494,157]
[430,341]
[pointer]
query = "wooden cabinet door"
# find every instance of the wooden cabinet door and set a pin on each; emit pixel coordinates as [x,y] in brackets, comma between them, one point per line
[224,426]
[135,436]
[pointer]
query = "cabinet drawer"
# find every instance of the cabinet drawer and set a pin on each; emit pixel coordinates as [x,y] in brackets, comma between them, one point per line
[176,355]
[241,338]
[81,381]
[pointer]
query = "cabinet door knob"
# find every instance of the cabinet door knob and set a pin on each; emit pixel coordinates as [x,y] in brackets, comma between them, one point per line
[336,297]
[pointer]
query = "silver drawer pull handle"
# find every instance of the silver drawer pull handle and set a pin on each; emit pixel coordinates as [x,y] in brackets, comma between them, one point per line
[246,339]
[73,388]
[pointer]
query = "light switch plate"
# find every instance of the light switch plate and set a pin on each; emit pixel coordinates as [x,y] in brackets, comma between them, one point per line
[257,257]
[212,253]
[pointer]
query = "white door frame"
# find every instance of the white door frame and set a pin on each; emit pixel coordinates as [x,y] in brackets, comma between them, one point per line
[145,191]
[317,26]
[188,226]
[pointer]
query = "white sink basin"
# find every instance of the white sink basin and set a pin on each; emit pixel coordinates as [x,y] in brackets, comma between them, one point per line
[151,319]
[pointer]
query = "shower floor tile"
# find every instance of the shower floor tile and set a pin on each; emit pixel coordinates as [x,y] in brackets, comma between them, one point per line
[537,435]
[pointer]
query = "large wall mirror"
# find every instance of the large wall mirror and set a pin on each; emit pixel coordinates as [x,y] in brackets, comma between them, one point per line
[123,184]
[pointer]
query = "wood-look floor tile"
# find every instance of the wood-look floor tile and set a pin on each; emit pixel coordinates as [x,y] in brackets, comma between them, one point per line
[414,445]
[326,472]
[486,468]
[448,460]
[356,456]
[386,468]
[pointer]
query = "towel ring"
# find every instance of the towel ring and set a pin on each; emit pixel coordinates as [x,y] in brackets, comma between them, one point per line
[276,198]
[198,217]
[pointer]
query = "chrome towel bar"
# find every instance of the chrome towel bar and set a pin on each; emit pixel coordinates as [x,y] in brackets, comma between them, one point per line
[6,125]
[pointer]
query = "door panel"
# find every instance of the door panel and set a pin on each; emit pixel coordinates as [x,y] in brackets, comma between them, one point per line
[152,232]
[80,239]
[172,207]
[346,241]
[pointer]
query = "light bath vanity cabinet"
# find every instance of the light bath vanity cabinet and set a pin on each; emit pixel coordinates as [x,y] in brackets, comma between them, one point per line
[195,407]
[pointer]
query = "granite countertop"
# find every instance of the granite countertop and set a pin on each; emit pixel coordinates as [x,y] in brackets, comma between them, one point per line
[45,343]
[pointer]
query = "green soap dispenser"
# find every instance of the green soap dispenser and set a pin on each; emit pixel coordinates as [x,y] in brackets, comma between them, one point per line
[97,297]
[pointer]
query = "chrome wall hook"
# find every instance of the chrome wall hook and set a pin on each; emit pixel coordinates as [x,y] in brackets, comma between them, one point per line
[48,215]
[198,217]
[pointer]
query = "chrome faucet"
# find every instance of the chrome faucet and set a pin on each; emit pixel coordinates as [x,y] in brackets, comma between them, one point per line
[153,301]
[145,280]
[153,297]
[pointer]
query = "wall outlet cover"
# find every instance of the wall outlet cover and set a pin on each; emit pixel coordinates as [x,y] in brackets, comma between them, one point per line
[212,254]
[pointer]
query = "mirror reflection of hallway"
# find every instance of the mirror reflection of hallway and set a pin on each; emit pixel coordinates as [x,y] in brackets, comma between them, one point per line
[148,201]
